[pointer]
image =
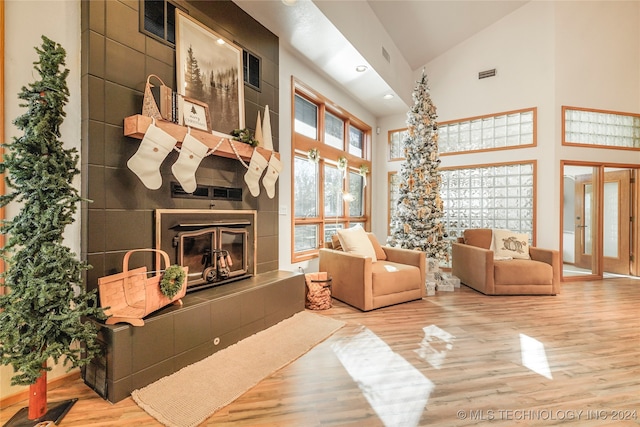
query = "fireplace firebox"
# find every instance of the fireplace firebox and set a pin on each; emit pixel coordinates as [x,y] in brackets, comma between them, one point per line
[217,246]
[213,252]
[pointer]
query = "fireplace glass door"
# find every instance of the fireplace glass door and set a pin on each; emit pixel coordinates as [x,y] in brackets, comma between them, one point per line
[195,251]
[233,244]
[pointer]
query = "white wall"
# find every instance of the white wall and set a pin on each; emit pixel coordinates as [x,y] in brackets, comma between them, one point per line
[598,65]
[547,54]
[291,66]
[23,30]
[382,167]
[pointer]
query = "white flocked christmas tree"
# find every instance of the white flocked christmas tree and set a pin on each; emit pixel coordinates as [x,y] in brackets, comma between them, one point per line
[417,220]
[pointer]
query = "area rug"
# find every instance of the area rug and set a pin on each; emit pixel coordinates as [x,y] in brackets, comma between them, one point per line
[189,396]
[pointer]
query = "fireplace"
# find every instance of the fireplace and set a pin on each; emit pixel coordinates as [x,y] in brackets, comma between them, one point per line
[217,246]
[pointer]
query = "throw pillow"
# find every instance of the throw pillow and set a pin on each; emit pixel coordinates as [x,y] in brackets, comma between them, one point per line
[355,240]
[510,244]
[381,255]
[335,242]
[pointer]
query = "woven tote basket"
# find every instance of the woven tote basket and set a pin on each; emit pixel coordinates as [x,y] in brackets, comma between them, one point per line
[131,295]
[318,291]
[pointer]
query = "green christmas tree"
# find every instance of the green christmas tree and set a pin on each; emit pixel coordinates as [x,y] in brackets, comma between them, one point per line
[417,221]
[43,313]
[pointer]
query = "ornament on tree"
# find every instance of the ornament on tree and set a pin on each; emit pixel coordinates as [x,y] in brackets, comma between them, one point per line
[416,223]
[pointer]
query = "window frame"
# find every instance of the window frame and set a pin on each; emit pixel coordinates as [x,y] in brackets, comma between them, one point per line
[534,142]
[391,191]
[328,155]
[148,33]
[565,108]
[389,144]
[247,69]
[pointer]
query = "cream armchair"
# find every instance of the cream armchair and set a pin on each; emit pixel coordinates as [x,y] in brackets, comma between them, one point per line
[395,276]
[475,264]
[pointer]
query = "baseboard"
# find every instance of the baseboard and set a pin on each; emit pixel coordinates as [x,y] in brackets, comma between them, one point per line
[24,395]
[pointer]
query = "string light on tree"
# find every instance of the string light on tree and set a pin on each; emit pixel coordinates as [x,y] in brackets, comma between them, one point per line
[417,220]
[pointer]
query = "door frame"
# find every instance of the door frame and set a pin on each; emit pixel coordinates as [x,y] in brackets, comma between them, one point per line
[597,250]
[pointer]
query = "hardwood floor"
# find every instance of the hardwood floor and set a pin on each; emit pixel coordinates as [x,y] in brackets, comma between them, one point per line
[455,359]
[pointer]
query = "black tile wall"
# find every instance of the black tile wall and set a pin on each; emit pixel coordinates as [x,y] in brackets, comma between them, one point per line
[116,60]
[174,337]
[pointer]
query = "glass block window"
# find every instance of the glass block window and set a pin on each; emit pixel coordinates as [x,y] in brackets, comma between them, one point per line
[396,150]
[497,196]
[605,129]
[514,129]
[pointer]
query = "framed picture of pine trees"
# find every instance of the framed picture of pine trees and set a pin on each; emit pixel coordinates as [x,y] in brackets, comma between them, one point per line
[209,69]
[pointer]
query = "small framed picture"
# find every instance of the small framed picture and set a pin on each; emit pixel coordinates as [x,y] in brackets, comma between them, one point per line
[196,114]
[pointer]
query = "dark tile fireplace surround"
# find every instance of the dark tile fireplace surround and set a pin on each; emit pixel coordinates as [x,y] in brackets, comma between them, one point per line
[116,59]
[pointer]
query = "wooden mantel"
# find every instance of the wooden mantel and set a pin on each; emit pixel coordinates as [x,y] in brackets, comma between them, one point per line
[136,126]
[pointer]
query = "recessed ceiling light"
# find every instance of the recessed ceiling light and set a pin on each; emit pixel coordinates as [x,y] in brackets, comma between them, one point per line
[361,68]
[220,41]
[388,96]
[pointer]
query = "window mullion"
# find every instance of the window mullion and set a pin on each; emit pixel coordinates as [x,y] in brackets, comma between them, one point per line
[330,184]
[321,123]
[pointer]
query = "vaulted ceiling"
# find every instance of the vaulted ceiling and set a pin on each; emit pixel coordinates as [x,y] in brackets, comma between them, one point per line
[393,38]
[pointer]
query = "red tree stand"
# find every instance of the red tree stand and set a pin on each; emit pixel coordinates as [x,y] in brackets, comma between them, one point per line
[37,411]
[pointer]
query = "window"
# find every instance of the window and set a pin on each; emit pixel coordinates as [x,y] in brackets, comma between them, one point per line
[599,128]
[356,141]
[396,139]
[159,20]
[394,193]
[515,129]
[333,130]
[331,163]
[306,122]
[251,69]
[492,196]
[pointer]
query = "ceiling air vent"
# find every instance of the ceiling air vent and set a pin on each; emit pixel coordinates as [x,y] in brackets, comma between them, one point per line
[386,55]
[487,73]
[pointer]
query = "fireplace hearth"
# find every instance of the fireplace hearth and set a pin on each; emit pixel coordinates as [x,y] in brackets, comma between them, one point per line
[217,246]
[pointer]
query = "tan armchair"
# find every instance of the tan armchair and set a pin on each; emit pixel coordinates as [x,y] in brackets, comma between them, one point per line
[474,264]
[397,276]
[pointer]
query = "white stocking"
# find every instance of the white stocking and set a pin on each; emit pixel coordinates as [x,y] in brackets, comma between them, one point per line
[154,148]
[184,169]
[252,177]
[270,178]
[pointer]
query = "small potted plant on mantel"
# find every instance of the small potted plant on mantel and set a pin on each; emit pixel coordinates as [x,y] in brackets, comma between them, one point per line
[44,309]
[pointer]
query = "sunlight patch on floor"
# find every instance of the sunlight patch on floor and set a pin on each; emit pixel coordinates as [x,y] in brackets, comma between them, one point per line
[435,345]
[396,390]
[534,356]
